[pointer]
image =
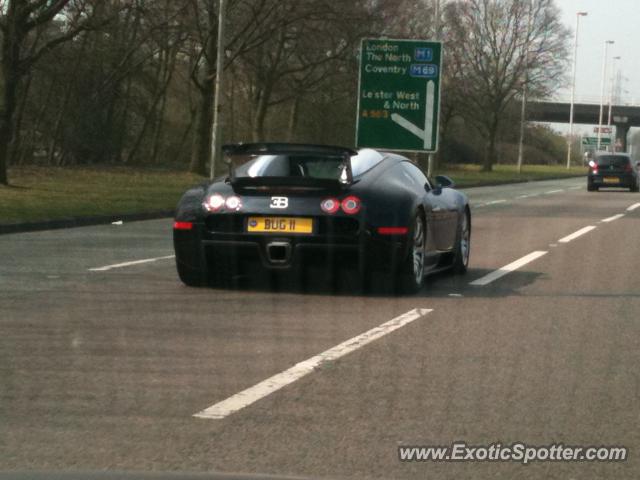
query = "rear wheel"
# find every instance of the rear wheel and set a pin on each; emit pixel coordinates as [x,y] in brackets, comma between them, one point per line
[412,271]
[591,187]
[463,245]
[634,188]
[192,277]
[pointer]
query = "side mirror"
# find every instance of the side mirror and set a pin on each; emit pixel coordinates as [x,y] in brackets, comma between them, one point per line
[638,164]
[442,181]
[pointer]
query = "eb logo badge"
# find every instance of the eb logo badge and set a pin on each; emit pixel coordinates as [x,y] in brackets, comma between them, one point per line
[279,202]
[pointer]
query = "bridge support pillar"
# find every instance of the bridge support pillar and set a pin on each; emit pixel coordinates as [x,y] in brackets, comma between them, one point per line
[622,131]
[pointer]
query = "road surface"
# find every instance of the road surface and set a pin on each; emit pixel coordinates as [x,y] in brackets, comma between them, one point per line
[108,362]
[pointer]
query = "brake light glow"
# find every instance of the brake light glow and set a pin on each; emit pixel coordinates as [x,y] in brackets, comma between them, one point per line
[393,230]
[627,168]
[214,203]
[351,205]
[233,203]
[330,205]
[182,225]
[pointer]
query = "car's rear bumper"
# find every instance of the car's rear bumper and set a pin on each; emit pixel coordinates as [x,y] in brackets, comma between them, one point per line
[615,180]
[281,252]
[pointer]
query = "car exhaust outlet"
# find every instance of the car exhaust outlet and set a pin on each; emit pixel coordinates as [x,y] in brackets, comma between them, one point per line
[279,252]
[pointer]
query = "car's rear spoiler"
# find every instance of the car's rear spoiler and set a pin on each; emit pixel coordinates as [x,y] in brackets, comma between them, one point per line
[346,177]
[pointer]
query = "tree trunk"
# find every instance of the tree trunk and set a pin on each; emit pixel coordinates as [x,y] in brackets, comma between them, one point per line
[16,140]
[491,146]
[7,114]
[293,119]
[261,108]
[12,38]
[201,152]
[258,120]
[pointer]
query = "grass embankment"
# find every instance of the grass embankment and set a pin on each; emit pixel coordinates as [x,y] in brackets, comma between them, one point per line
[47,193]
[470,175]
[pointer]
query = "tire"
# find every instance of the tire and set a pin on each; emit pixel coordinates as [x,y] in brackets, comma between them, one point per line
[192,277]
[591,187]
[411,275]
[463,245]
[634,189]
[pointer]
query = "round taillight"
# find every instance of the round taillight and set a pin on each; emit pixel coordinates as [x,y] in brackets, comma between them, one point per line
[214,202]
[233,203]
[351,205]
[330,205]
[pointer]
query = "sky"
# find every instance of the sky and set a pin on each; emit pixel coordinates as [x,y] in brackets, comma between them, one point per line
[617,20]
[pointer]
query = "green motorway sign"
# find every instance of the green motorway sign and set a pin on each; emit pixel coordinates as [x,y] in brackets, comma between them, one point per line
[593,141]
[399,95]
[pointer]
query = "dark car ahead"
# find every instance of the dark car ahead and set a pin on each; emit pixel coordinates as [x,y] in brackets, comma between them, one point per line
[612,170]
[284,207]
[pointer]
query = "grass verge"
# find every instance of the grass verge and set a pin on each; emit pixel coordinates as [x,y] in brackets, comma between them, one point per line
[467,176]
[49,193]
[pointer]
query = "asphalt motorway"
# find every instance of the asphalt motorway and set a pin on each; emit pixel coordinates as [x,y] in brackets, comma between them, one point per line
[105,361]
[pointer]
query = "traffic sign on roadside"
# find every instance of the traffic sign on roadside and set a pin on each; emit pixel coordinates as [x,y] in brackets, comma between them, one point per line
[399,95]
[593,141]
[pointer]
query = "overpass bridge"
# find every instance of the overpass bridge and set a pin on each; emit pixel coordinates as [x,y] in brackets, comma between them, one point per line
[623,116]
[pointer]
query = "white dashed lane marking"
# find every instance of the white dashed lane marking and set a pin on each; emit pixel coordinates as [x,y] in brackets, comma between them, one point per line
[128,264]
[272,384]
[501,272]
[577,234]
[613,219]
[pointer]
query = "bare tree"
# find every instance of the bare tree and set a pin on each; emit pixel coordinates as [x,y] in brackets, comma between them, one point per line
[23,23]
[250,25]
[494,46]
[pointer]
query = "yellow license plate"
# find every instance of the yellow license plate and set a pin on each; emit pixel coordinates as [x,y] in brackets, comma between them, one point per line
[279,225]
[610,180]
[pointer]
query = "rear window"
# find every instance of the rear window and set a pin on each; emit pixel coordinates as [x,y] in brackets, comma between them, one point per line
[306,166]
[613,161]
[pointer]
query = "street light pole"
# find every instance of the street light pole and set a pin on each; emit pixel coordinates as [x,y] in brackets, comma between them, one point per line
[602,86]
[216,137]
[523,117]
[431,161]
[613,74]
[573,87]
[523,108]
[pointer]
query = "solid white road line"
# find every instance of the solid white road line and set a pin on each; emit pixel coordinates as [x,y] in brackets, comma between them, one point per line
[633,207]
[495,202]
[577,187]
[612,219]
[523,196]
[299,370]
[577,234]
[127,264]
[501,272]
[550,192]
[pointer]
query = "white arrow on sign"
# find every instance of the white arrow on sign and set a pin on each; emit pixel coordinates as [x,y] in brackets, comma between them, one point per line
[427,133]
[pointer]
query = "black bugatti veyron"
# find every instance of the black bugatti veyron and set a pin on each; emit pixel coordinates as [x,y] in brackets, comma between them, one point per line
[285,207]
